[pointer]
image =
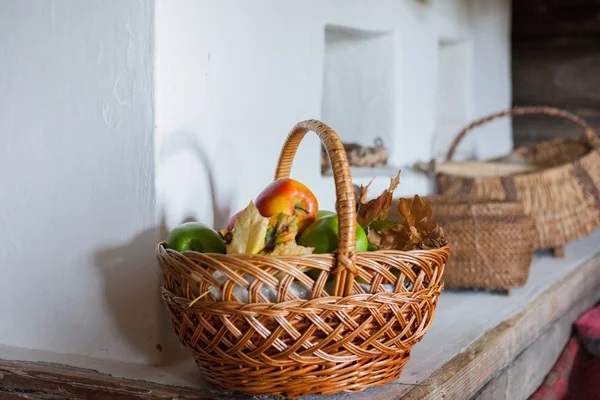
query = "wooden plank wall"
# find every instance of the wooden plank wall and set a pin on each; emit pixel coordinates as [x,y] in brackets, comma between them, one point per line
[555,62]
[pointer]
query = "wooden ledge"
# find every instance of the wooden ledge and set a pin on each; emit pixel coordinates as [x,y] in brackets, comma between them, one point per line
[469,372]
[28,380]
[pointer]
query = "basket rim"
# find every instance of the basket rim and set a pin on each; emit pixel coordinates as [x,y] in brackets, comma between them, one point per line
[541,173]
[162,246]
[458,200]
[430,258]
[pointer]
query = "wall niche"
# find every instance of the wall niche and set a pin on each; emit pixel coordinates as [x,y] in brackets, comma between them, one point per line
[359,92]
[453,98]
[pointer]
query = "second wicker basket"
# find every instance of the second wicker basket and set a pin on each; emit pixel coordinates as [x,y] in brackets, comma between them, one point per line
[493,242]
[562,193]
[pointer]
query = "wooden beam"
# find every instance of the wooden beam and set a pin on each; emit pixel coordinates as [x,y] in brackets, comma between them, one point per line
[555,18]
[563,73]
[26,380]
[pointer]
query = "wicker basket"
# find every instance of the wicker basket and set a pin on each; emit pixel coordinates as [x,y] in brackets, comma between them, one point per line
[249,331]
[360,156]
[562,194]
[475,228]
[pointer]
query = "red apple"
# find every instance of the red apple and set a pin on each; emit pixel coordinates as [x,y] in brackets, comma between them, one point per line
[288,196]
[231,223]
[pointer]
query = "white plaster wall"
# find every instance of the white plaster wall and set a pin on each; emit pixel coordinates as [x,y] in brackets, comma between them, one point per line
[358,84]
[454,100]
[491,22]
[233,77]
[77,207]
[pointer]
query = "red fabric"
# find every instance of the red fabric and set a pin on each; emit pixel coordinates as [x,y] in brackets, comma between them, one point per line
[588,330]
[576,374]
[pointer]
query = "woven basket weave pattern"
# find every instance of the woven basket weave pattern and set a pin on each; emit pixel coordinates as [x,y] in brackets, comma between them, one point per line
[475,229]
[241,317]
[368,330]
[563,196]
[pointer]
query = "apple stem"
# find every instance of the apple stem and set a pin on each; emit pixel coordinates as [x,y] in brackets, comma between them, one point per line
[300,209]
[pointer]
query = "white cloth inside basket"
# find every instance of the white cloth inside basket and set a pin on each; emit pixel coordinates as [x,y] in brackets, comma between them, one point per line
[298,290]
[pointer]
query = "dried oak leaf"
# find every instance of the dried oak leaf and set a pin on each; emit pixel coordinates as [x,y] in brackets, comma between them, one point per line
[374,237]
[375,228]
[376,209]
[249,232]
[418,230]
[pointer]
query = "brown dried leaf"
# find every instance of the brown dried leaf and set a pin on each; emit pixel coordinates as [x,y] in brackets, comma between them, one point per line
[396,239]
[418,230]
[376,209]
[364,191]
[374,237]
[394,182]
[377,226]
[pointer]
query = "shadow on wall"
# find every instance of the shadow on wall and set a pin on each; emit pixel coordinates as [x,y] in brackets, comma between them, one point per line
[184,141]
[132,280]
[132,277]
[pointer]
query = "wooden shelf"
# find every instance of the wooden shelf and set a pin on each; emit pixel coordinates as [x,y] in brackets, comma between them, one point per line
[365,172]
[411,181]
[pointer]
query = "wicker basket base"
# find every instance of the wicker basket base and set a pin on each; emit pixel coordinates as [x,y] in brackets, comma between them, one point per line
[296,347]
[302,380]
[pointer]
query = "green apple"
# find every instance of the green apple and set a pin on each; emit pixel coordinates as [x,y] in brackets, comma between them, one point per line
[324,213]
[323,236]
[372,247]
[195,236]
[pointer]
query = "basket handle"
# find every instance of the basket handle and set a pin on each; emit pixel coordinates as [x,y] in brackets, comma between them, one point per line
[346,201]
[590,133]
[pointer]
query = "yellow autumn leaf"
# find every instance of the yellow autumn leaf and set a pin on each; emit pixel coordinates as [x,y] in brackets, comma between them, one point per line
[291,249]
[249,232]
